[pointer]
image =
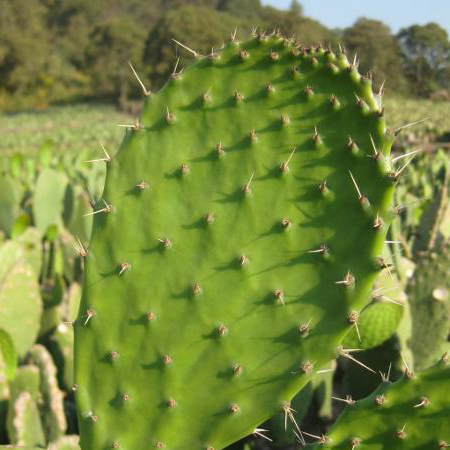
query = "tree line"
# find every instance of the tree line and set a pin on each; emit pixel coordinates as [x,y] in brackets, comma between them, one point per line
[54,51]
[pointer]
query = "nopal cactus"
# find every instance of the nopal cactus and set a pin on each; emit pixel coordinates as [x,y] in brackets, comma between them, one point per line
[411,413]
[238,237]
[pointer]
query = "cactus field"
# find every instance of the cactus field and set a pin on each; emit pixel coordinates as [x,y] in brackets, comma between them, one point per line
[258,260]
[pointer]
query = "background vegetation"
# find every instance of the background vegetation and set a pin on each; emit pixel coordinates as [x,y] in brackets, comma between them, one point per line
[54,51]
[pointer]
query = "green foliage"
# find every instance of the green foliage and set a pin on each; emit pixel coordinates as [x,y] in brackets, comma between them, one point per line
[426,56]
[176,302]
[123,38]
[204,26]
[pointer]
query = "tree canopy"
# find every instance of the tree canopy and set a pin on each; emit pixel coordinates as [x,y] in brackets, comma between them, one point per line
[64,50]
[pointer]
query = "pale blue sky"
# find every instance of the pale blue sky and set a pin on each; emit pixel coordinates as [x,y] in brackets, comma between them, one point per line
[395,13]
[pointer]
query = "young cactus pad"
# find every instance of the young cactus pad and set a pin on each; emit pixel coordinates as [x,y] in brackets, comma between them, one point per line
[411,413]
[238,236]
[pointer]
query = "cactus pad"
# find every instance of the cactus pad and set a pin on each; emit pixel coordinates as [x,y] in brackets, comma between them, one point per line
[236,241]
[429,294]
[411,413]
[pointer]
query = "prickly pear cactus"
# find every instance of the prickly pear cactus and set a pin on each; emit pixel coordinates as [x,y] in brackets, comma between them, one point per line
[237,239]
[411,413]
[429,293]
[52,409]
[20,300]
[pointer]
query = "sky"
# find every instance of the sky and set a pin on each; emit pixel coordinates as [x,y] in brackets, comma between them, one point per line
[395,13]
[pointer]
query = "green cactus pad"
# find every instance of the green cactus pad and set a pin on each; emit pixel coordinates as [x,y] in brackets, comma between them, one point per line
[9,200]
[411,413]
[20,301]
[52,409]
[429,294]
[48,204]
[381,317]
[26,426]
[231,248]
[61,348]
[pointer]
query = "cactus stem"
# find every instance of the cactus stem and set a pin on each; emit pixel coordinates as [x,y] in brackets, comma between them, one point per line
[346,354]
[260,432]
[348,400]
[196,55]
[284,167]
[146,92]
[288,412]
